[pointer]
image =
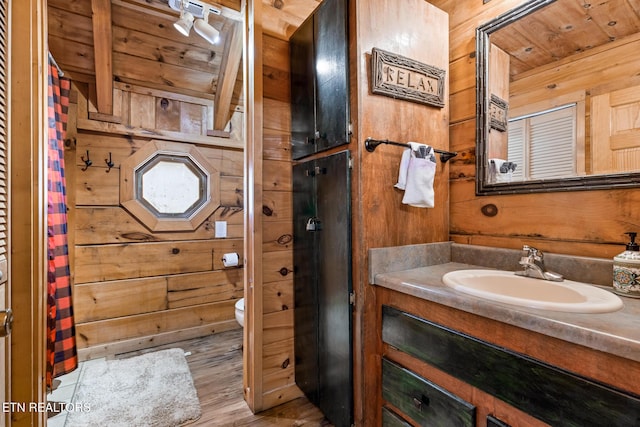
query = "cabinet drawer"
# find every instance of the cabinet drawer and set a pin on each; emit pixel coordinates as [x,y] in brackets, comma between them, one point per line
[391,419]
[494,422]
[426,403]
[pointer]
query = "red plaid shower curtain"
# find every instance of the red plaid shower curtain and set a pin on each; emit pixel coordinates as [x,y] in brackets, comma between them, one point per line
[61,340]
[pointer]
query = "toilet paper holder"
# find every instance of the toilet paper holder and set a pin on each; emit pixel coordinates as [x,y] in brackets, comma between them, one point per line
[231,259]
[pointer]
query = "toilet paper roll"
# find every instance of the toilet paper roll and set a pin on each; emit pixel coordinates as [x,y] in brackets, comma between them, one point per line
[230,259]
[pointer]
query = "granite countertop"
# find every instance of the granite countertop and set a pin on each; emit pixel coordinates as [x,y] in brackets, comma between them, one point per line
[617,332]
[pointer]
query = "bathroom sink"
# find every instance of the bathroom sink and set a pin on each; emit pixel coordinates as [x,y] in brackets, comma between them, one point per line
[506,287]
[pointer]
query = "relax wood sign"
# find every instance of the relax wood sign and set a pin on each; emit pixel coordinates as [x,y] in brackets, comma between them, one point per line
[400,77]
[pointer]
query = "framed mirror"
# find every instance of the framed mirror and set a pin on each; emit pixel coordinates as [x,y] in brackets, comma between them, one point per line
[558,97]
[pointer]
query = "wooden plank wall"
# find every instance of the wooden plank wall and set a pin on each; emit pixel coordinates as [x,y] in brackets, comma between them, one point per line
[134,288]
[416,30]
[588,223]
[379,218]
[147,50]
[278,367]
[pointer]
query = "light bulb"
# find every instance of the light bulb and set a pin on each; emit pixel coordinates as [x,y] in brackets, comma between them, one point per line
[184,24]
[206,31]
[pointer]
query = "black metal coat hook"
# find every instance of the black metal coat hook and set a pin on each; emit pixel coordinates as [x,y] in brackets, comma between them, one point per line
[109,162]
[87,162]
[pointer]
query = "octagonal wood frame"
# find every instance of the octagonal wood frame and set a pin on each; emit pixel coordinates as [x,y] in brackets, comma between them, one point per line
[128,183]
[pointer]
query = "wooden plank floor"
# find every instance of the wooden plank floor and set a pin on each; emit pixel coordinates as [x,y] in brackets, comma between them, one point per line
[216,366]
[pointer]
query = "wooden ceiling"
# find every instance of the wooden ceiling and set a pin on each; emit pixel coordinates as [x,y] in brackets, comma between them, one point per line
[134,41]
[564,28]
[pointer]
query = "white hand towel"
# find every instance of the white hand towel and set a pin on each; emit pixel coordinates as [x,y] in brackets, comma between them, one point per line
[497,163]
[404,163]
[404,166]
[494,169]
[419,180]
[495,173]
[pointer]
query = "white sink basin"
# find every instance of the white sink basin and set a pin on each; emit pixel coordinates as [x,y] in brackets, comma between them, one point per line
[505,286]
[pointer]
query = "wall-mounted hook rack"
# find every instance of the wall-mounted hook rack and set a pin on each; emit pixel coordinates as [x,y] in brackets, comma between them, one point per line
[371,144]
[87,162]
[109,162]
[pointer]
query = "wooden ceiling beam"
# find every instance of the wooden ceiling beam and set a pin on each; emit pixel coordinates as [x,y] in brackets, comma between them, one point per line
[161,8]
[227,77]
[101,18]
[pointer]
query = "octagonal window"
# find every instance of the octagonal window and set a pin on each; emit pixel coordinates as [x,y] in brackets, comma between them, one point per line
[171,186]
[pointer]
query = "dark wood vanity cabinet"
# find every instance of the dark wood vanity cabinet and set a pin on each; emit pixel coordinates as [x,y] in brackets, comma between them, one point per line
[550,394]
[320,81]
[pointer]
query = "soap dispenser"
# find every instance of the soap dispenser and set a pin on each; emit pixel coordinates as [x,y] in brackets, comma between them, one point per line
[626,270]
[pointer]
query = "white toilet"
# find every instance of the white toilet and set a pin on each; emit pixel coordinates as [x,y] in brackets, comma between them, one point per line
[240,311]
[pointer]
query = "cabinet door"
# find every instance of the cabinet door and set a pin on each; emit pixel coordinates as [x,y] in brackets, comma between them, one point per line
[305,289]
[302,91]
[322,282]
[334,287]
[332,74]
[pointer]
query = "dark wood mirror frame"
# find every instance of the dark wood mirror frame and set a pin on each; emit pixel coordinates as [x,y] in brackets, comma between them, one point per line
[593,182]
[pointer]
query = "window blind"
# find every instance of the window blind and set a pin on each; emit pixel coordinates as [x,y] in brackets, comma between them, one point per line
[515,149]
[544,144]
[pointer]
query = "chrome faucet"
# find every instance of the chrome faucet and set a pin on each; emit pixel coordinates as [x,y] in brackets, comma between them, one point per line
[533,262]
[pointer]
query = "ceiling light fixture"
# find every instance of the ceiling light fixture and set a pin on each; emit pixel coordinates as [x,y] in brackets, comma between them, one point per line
[194,9]
[184,24]
[206,30]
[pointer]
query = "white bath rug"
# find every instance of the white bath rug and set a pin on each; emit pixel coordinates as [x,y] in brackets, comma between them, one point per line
[154,389]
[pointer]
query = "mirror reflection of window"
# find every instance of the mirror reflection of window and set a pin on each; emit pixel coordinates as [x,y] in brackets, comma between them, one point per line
[543,144]
[549,53]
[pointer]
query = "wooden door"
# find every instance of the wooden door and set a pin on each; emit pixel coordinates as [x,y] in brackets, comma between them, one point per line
[26,55]
[615,131]
[5,292]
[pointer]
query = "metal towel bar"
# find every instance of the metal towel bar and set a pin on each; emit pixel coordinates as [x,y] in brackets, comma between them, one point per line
[371,144]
